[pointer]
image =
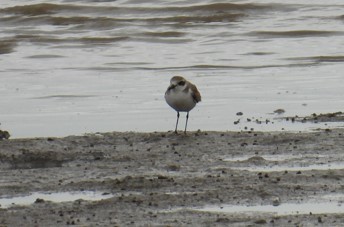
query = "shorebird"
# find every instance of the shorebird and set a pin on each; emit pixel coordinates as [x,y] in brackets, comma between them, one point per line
[182,96]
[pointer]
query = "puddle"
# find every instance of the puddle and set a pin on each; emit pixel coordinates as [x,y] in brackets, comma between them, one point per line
[283,209]
[57,197]
[325,207]
[302,166]
[280,168]
[277,157]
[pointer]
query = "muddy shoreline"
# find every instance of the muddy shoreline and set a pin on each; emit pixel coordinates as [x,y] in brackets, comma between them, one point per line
[156,179]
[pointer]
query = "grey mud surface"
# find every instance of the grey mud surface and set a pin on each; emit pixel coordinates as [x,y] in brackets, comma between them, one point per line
[160,179]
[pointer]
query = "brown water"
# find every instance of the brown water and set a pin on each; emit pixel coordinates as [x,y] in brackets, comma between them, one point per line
[71,67]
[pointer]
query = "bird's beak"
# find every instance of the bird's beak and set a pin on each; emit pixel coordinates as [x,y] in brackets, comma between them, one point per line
[171,87]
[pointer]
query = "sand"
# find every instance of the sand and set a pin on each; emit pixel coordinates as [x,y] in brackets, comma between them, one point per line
[164,179]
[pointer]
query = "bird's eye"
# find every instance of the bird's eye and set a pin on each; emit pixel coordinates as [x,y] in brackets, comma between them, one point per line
[181,83]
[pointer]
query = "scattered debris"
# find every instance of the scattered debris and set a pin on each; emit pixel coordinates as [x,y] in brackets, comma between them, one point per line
[4,135]
[279,111]
[316,118]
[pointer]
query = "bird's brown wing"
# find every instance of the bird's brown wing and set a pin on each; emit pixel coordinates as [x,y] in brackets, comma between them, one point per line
[195,93]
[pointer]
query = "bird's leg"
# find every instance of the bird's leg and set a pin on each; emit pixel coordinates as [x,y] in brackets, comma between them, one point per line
[177,122]
[186,124]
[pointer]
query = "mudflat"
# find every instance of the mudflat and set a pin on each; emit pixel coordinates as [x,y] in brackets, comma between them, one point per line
[166,179]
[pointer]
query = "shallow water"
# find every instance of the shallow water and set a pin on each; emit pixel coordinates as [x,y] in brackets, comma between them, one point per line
[72,67]
[57,197]
[326,204]
[286,162]
[330,206]
[283,168]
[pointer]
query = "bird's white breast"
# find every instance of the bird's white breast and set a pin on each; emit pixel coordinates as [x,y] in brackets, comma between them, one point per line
[180,100]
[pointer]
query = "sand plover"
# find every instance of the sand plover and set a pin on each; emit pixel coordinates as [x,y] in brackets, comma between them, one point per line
[182,96]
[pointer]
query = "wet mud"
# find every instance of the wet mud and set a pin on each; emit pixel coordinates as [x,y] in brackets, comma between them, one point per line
[164,179]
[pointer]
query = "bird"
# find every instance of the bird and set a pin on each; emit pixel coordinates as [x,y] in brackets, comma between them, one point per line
[182,96]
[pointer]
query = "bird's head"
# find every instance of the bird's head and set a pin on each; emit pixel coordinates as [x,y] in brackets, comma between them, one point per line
[178,83]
